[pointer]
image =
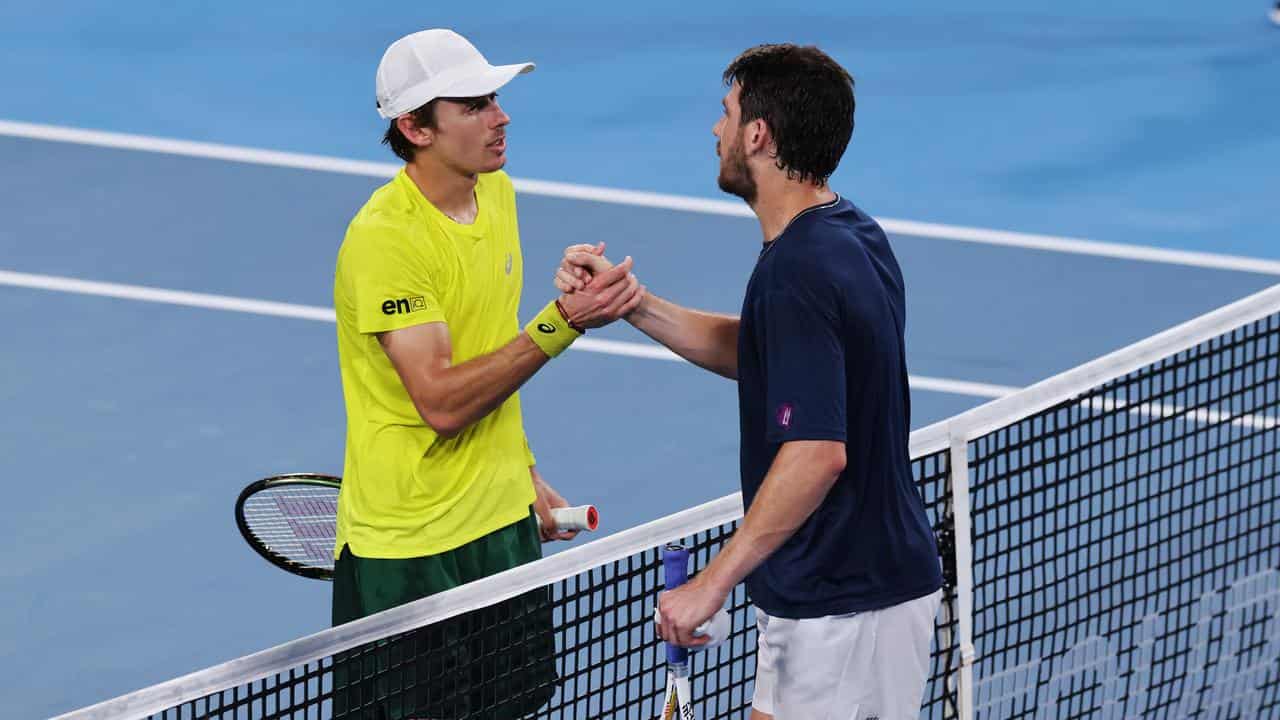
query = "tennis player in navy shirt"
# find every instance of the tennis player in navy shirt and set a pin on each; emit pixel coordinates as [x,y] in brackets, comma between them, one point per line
[837,553]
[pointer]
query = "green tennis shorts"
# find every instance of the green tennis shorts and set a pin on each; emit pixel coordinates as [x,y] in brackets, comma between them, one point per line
[491,663]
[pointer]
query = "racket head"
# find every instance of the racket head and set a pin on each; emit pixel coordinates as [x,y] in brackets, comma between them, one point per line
[291,521]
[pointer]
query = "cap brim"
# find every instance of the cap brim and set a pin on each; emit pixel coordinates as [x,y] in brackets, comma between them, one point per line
[477,85]
[485,83]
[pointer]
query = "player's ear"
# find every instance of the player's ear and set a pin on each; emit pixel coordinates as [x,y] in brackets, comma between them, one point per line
[414,133]
[757,137]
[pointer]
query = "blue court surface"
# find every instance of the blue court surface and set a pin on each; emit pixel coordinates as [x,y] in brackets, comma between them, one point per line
[130,426]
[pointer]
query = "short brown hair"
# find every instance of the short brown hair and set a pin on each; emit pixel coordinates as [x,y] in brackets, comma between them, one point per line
[424,116]
[806,99]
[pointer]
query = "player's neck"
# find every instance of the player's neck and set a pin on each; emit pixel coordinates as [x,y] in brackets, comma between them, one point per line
[779,203]
[451,192]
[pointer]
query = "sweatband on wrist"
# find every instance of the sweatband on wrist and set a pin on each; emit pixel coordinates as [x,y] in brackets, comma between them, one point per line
[550,331]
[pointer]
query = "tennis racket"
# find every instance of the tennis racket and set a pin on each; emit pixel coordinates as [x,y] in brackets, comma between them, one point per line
[677,703]
[292,521]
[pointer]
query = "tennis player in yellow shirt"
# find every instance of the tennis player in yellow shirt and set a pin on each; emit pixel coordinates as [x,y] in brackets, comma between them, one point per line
[439,485]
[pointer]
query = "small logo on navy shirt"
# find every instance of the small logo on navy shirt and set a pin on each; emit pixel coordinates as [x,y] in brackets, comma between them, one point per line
[783,415]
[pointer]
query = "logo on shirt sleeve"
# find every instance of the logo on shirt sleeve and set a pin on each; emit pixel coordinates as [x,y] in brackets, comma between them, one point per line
[404,305]
[783,416]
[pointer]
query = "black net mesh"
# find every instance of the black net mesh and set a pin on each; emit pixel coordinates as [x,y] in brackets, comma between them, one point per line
[1126,563]
[582,648]
[1126,546]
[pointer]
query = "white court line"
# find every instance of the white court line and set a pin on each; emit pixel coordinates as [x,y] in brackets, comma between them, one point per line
[961,387]
[1054,243]
[166,297]
[323,314]
[1169,411]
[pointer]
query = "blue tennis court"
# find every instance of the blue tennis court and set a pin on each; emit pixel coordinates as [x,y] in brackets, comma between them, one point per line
[1014,131]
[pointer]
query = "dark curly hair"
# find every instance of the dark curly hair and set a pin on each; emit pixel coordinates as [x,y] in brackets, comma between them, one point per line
[805,98]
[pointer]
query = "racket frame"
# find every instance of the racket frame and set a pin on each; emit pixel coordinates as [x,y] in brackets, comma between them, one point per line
[311,479]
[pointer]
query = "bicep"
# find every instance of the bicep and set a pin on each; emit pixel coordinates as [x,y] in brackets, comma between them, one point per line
[823,458]
[418,353]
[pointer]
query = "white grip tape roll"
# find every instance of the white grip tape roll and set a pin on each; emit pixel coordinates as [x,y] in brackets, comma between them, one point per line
[716,629]
[582,517]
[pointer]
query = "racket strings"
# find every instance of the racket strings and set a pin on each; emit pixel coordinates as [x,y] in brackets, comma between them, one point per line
[295,523]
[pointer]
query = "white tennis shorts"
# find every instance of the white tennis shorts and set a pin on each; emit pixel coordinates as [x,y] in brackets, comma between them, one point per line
[862,666]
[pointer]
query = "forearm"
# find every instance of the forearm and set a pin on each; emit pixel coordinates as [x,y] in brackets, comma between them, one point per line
[457,396]
[801,475]
[708,340]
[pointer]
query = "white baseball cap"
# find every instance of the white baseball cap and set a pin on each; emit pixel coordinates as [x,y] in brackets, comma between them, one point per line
[426,65]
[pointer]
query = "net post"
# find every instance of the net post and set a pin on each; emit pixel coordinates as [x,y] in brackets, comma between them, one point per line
[959,464]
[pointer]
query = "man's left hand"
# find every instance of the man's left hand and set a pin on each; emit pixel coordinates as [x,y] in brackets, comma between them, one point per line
[548,498]
[682,610]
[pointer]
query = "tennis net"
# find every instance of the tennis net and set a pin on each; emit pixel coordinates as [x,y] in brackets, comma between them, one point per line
[1108,541]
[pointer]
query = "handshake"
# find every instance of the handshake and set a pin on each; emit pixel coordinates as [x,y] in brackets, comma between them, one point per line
[595,291]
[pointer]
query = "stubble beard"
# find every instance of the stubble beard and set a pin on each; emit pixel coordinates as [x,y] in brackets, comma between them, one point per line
[735,176]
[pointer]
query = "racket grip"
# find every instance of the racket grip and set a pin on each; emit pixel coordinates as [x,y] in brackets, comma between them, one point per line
[582,517]
[675,572]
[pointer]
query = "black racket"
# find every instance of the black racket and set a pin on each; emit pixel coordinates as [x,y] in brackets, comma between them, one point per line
[291,520]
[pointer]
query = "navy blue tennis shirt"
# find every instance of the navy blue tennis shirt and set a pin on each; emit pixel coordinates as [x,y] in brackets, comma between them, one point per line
[821,356]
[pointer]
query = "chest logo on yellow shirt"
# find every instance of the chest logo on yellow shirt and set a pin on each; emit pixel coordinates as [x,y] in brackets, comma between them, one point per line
[508,263]
[404,305]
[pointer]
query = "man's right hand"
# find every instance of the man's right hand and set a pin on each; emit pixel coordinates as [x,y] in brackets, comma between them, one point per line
[605,293]
[579,264]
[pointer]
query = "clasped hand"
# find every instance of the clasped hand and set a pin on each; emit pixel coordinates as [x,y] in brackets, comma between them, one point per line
[596,292]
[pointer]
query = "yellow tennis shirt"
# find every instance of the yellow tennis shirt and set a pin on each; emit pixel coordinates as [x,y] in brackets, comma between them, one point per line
[406,491]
